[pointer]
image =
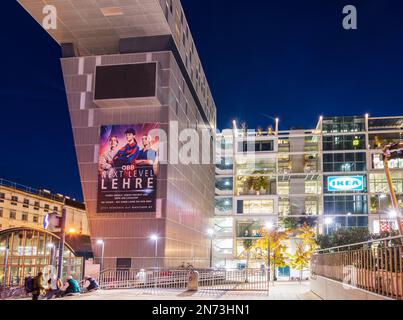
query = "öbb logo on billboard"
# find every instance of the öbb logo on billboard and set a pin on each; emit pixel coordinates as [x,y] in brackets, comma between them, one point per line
[345,183]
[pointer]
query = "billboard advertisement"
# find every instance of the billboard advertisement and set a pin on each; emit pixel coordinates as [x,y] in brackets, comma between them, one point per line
[345,183]
[128,168]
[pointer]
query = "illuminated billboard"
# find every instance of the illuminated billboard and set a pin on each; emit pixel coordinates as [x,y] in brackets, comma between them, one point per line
[128,168]
[345,183]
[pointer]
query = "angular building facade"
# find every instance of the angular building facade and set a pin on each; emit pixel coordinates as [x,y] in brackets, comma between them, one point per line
[131,65]
[332,174]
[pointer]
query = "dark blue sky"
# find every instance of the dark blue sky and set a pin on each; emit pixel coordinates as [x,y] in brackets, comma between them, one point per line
[262,58]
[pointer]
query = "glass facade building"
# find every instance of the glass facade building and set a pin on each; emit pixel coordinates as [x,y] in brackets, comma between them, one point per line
[332,173]
[28,250]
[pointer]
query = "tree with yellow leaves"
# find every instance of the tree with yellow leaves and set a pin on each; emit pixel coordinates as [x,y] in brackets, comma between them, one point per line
[306,247]
[278,248]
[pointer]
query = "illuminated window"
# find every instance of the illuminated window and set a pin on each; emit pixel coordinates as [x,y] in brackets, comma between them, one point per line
[257,206]
[312,187]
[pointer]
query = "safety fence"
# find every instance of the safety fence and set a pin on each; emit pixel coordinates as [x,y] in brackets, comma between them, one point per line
[208,279]
[375,266]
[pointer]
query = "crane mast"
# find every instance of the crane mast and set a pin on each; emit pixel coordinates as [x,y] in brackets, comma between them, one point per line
[393,151]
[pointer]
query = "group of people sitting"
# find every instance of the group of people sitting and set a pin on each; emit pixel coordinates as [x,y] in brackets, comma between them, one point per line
[52,287]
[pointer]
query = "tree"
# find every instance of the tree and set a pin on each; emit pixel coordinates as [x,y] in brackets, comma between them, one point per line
[300,259]
[247,245]
[307,234]
[343,237]
[306,247]
[278,248]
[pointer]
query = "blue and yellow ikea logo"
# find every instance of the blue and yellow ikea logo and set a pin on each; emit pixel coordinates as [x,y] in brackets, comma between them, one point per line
[345,183]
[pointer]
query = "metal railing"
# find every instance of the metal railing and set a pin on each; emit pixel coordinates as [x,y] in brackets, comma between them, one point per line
[234,279]
[12,292]
[209,279]
[375,265]
[139,278]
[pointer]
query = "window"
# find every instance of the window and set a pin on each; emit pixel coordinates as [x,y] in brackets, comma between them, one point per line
[255,146]
[377,162]
[13,214]
[256,206]
[341,205]
[36,204]
[2,195]
[24,216]
[312,187]
[35,219]
[249,229]
[26,203]
[343,124]
[344,162]
[14,198]
[347,142]
[46,206]
[55,208]
[1,212]
[378,183]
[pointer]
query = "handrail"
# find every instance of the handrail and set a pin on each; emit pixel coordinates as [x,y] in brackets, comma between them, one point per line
[360,243]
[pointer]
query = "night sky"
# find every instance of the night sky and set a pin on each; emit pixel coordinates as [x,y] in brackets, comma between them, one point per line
[262,58]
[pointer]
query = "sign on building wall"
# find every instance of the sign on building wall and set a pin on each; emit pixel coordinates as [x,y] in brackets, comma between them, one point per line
[128,168]
[345,183]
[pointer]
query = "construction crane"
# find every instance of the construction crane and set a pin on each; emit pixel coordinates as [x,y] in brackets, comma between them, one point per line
[389,152]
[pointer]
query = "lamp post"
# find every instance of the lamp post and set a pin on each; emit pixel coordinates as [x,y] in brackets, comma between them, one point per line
[210,233]
[154,237]
[101,242]
[51,246]
[328,221]
[62,241]
[380,196]
[269,227]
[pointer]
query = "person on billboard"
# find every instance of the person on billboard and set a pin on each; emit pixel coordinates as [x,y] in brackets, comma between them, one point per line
[106,160]
[129,153]
[147,156]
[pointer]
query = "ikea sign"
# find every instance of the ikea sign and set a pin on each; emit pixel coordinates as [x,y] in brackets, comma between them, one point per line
[345,183]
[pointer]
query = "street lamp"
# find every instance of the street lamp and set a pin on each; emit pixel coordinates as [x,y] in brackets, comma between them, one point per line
[328,221]
[155,238]
[269,226]
[101,242]
[52,248]
[72,231]
[380,196]
[210,233]
[392,213]
[62,241]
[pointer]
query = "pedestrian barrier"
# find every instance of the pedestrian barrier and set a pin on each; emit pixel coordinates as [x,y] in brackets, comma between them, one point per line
[12,292]
[375,266]
[208,279]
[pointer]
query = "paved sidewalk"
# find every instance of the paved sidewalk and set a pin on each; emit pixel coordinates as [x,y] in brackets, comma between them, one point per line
[278,291]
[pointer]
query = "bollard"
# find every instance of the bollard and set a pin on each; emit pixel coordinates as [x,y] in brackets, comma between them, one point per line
[193,281]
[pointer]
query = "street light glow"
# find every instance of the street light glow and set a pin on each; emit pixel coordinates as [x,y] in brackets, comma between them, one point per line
[100,241]
[392,213]
[349,214]
[210,231]
[72,230]
[328,220]
[269,225]
[154,237]
[50,245]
